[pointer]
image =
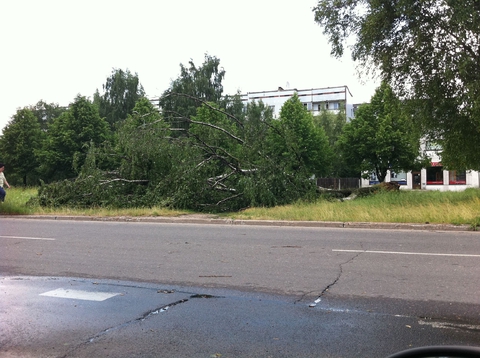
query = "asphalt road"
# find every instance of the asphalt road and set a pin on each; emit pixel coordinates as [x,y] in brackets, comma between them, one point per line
[231,291]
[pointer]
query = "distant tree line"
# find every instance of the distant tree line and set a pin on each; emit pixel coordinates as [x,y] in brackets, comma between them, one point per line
[200,149]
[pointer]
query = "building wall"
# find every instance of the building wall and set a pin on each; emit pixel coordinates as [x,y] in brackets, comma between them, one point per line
[439,179]
[315,99]
[472,181]
[335,98]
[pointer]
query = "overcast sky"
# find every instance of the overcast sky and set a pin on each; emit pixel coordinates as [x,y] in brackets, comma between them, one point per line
[56,49]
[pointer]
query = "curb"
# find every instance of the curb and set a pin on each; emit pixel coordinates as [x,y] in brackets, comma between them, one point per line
[215,221]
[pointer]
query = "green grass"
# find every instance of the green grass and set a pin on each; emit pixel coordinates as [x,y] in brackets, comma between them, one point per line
[398,207]
[17,198]
[15,201]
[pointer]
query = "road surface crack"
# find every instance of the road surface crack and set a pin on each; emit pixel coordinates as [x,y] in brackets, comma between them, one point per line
[334,282]
[143,317]
[157,311]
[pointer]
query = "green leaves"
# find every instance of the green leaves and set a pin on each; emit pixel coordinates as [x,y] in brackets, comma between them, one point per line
[19,144]
[68,138]
[222,163]
[121,91]
[190,89]
[429,52]
[381,137]
[301,146]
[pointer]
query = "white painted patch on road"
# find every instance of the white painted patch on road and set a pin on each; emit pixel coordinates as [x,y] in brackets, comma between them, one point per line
[27,238]
[80,295]
[407,253]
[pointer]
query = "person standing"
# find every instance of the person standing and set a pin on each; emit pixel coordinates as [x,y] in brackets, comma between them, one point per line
[3,181]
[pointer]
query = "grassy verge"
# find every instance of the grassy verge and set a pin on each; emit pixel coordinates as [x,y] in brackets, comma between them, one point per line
[17,198]
[398,207]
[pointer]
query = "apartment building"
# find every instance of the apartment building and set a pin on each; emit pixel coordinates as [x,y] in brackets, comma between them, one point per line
[315,100]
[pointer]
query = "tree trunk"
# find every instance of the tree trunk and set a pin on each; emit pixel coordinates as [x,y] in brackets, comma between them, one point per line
[381,174]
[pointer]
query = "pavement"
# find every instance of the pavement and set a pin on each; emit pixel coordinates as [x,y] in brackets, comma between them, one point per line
[53,316]
[70,317]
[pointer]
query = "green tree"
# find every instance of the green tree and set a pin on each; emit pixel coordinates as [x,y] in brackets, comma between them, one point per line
[301,146]
[68,139]
[120,94]
[256,123]
[218,131]
[222,163]
[333,124]
[19,143]
[233,105]
[46,113]
[429,51]
[381,137]
[142,144]
[194,86]
[263,180]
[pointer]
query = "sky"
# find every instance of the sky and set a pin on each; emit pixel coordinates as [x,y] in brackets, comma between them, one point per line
[53,50]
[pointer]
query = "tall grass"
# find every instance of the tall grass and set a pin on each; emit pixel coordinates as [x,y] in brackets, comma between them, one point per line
[399,207]
[16,203]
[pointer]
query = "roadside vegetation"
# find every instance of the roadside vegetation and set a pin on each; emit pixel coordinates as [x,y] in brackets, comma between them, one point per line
[384,206]
[197,150]
[398,207]
[24,201]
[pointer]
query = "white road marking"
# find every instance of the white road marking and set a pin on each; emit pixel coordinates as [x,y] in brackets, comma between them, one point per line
[80,295]
[447,325]
[27,238]
[315,302]
[407,253]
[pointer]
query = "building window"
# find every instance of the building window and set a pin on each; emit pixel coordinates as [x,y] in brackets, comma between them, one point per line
[326,105]
[435,175]
[373,179]
[336,105]
[457,177]
[400,178]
